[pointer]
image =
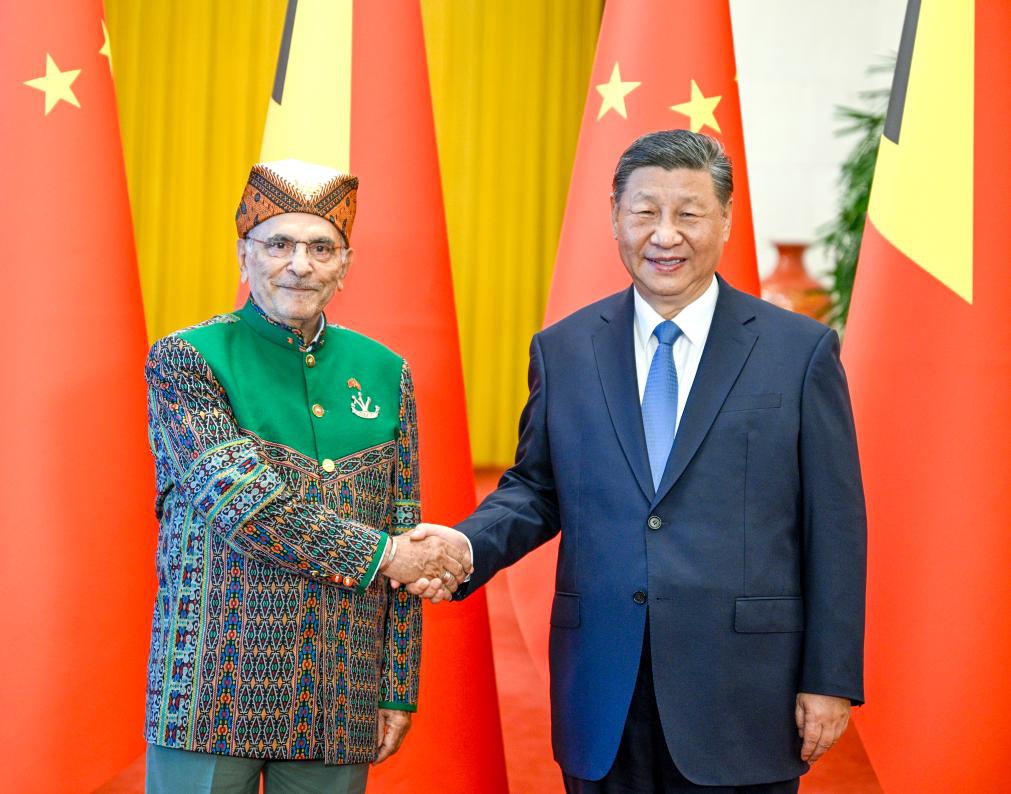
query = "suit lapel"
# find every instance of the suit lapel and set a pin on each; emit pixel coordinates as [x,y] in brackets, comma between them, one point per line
[727,349]
[613,347]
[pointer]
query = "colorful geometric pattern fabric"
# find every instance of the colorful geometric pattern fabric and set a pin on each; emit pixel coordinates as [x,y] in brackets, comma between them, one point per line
[273,637]
[293,186]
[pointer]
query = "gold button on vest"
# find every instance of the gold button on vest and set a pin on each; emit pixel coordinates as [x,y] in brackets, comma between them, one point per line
[317,409]
[310,360]
[328,465]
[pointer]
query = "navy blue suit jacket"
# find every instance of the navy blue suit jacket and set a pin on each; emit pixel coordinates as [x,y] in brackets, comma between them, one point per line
[747,565]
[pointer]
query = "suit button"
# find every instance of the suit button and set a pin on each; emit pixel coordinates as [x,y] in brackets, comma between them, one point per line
[654,522]
[310,360]
[317,410]
[328,465]
[639,597]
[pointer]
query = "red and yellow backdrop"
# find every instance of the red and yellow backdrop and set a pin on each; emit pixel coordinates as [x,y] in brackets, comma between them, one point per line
[508,85]
[927,347]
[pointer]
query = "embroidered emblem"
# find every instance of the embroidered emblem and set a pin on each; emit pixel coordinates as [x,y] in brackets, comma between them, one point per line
[360,406]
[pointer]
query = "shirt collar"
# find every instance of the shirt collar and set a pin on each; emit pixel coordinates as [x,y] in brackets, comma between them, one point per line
[279,333]
[317,338]
[693,320]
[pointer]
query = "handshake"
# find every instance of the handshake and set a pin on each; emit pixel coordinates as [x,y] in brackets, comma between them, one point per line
[431,561]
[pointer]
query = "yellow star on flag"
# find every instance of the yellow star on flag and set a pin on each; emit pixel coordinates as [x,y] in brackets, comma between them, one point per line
[614,92]
[700,109]
[56,85]
[106,50]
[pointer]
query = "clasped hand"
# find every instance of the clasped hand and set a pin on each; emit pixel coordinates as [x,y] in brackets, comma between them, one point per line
[431,560]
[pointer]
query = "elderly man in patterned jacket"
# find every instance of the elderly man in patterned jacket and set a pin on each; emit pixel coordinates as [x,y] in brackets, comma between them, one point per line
[286,458]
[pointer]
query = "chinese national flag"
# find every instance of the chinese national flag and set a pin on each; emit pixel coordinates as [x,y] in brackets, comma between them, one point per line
[928,352]
[352,92]
[77,568]
[660,64]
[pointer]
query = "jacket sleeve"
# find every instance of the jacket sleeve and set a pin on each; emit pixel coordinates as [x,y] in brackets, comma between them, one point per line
[222,474]
[835,531]
[522,512]
[402,650]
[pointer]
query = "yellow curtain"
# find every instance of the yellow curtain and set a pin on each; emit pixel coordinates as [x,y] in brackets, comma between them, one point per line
[509,81]
[192,81]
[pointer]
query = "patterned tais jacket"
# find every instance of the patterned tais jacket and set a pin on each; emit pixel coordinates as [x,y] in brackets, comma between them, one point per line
[282,470]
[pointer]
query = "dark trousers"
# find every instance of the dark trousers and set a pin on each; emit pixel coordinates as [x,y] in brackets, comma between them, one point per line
[643,764]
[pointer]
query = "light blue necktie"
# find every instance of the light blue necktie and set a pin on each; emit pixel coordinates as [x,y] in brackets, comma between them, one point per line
[660,400]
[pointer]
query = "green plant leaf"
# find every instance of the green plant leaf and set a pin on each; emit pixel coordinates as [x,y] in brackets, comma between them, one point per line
[841,236]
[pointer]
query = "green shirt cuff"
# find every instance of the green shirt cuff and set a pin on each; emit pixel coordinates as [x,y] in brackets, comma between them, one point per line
[373,568]
[397,705]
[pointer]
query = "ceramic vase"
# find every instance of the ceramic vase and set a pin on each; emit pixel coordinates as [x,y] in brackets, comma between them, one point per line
[790,286]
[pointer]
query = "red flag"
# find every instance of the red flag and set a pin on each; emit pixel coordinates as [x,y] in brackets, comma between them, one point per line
[660,64]
[402,293]
[928,352]
[377,123]
[77,509]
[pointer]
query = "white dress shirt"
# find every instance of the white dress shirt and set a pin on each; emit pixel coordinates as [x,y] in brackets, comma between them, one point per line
[694,321]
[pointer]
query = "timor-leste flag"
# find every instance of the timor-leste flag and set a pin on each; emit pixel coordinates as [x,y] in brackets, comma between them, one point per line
[660,64]
[77,517]
[928,352]
[351,91]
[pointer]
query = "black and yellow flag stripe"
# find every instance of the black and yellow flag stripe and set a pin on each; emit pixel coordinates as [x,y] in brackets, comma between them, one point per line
[922,198]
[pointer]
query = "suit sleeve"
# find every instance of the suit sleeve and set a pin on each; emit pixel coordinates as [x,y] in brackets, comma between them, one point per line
[835,531]
[222,474]
[402,649]
[522,513]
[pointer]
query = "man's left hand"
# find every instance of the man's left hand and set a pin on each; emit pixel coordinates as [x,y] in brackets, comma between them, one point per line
[391,728]
[821,720]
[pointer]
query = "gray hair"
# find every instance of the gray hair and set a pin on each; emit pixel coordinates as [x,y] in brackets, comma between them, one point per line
[670,149]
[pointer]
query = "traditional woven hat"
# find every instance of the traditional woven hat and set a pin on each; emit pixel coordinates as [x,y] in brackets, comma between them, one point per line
[294,186]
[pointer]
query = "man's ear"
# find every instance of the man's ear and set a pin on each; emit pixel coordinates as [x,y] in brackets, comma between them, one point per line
[347,256]
[614,217]
[241,254]
[728,218]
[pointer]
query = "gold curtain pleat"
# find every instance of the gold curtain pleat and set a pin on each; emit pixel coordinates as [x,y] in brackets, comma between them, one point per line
[509,80]
[192,81]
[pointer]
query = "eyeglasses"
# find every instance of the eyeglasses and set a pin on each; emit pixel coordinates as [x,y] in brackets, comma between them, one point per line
[280,247]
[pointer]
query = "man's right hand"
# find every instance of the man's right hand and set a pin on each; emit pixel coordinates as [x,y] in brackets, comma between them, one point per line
[427,559]
[439,588]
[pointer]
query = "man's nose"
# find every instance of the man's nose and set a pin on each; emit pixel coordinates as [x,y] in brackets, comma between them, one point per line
[299,264]
[667,233]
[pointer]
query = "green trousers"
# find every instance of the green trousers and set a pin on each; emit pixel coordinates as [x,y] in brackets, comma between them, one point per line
[183,772]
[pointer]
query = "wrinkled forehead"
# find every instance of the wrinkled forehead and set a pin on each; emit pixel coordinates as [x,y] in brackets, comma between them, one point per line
[298,226]
[662,184]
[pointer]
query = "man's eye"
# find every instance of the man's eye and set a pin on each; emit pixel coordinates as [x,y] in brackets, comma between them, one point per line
[278,246]
[321,248]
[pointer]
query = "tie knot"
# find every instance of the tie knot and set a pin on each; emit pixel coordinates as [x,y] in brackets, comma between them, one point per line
[666,332]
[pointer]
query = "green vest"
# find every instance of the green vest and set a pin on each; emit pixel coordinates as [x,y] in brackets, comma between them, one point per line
[336,398]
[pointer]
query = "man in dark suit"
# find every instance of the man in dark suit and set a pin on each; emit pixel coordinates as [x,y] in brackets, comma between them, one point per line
[695,447]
